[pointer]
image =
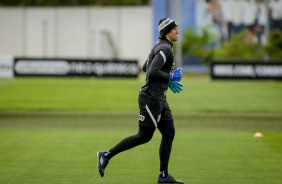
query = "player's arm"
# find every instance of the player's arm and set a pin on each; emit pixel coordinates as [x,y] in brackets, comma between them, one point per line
[155,72]
[144,66]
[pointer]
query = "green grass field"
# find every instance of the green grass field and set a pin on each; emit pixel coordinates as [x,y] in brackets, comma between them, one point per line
[51,129]
[200,94]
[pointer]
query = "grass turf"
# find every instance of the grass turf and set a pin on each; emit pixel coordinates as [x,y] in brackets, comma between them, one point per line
[60,147]
[51,129]
[200,94]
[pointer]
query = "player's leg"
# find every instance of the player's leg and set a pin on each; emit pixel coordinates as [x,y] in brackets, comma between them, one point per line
[143,136]
[145,133]
[167,129]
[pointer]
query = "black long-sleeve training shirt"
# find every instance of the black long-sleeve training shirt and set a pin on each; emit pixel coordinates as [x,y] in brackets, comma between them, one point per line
[157,67]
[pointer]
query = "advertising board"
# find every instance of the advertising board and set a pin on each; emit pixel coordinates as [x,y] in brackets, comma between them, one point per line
[246,70]
[76,67]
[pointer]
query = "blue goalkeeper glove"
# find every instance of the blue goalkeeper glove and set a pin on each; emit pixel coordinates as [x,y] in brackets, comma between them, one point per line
[176,75]
[176,87]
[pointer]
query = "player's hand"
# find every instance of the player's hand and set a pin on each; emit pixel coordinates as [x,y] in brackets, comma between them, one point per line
[175,86]
[176,75]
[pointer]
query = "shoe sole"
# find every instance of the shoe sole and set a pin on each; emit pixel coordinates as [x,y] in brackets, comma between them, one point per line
[97,156]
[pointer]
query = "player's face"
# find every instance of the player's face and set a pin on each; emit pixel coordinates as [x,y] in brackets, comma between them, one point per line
[172,36]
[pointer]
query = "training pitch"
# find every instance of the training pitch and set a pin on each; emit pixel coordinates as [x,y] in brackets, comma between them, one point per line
[51,129]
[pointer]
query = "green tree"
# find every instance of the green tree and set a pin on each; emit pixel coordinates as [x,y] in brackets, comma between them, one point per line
[238,50]
[198,45]
[274,46]
[73,2]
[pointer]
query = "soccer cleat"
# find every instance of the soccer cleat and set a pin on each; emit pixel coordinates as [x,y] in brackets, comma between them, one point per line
[169,179]
[102,163]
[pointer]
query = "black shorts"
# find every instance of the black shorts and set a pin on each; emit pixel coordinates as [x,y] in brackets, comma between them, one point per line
[153,111]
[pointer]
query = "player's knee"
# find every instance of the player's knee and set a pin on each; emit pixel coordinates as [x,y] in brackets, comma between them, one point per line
[146,138]
[168,135]
[172,134]
[167,130]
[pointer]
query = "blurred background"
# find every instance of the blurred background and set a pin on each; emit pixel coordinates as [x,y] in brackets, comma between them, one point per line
[127,29]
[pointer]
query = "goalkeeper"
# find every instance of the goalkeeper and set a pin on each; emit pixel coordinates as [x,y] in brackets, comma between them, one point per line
[154,109]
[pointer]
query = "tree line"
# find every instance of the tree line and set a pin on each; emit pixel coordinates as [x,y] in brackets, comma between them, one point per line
[23,3]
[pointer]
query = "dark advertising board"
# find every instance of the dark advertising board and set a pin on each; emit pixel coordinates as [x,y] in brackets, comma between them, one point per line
[246,70]
[75,67]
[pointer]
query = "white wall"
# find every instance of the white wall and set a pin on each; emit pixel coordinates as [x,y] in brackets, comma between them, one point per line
[76,32]
[39,33]
[12,31]
[137,35]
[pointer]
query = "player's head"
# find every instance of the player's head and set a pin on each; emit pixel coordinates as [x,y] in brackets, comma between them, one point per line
[165,26]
